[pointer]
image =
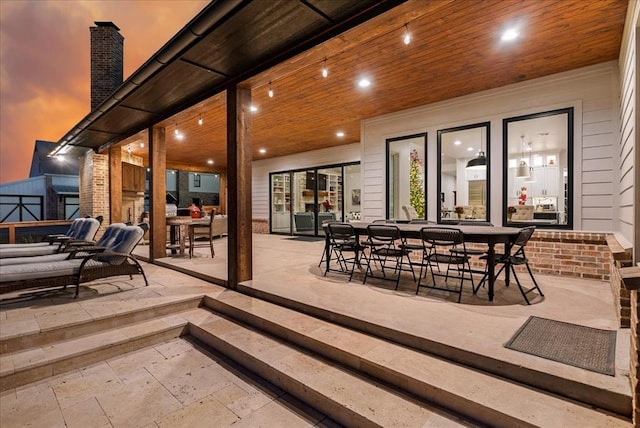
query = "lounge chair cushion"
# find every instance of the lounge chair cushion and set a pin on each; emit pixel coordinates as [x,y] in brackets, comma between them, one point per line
[38,250]
[28,271]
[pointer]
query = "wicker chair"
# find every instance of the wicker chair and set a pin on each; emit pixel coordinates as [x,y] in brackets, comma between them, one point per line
[84,265]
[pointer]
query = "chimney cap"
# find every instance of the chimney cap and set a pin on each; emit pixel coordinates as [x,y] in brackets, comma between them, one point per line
[106,24]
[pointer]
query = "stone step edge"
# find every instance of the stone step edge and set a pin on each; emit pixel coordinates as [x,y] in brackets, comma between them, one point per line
[78,329]
[72,355]
[611,401]
[440,394]
[344,413]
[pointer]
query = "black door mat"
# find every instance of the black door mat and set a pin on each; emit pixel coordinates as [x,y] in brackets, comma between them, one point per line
[576,345]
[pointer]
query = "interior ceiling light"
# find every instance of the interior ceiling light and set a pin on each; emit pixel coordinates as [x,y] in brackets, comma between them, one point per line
[469,149]
[509,35]
[270,91]
[407,35]
[523,168]
[200,121]
[479,162]
[179,137]
[532,177]
[142,145]
[253,108]
[210,161]
[457,142]
[262,151]
[175,131]
[339,134]
[325,70]
[60,158]
[364,82]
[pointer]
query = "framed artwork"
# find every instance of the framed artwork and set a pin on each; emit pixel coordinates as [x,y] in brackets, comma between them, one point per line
[355,196]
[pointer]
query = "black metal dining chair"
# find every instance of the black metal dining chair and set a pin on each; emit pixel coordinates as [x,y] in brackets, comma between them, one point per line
[518,258]
[342,242]
[438,241]
[386,245]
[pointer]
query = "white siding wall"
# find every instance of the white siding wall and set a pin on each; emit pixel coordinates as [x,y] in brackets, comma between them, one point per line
[262,168]
[591,91]
[626,153]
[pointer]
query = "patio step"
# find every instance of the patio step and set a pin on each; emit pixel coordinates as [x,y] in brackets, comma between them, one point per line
[343,395]
[73,345]
[612,400]
[329,366]
[125,313]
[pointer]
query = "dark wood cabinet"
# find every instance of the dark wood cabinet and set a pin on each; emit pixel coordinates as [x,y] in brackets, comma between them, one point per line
[133,177]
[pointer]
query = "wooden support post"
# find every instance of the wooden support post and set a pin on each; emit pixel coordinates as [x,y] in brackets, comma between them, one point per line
[157,194]
[239,156]
[115,184]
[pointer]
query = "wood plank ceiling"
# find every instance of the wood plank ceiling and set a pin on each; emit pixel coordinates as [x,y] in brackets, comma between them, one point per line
[455,50]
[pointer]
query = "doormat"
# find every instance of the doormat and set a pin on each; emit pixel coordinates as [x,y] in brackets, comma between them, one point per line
[576,345]
[307,238]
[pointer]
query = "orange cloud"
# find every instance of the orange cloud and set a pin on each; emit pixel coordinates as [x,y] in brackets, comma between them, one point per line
[44,64]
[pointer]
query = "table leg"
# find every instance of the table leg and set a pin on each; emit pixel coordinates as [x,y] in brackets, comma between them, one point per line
[182,236]
[507,251]
[173,231]
[491,265]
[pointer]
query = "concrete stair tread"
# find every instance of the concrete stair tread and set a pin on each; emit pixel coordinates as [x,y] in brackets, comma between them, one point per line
[25,366]
[121,314]
[356,401]
[457,387]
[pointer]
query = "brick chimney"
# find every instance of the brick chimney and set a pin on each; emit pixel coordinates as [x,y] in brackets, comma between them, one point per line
[106,61]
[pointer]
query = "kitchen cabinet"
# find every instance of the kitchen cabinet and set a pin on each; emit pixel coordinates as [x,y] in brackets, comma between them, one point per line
[547,182]
[133,177]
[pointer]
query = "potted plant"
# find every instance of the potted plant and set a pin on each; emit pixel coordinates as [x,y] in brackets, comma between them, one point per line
[459,211]
[510,211]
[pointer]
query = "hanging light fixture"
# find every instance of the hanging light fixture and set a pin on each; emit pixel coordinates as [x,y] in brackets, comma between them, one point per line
[523,168]
[270,91]
[200,121]
[479,162]
[175,131]
[325,70]
[407,35]
[532,176]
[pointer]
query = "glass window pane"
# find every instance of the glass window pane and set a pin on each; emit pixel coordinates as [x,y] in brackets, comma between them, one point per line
[406,177]
[462,168]
[539,186]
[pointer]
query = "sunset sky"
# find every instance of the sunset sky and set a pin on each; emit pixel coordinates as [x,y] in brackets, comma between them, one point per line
[44,63]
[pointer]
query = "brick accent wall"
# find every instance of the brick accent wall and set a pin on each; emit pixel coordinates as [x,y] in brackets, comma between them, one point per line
[260,225]
[576,254]
[106,61]
[94,187]
[634,360]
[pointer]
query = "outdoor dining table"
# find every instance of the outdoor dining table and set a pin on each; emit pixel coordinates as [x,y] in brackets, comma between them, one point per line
[477,234]
[178,231]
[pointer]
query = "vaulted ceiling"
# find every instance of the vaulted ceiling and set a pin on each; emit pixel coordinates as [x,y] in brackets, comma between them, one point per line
[456,49]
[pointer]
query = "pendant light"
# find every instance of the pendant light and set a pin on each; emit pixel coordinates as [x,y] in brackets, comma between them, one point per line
[523,168]
[532,176]
[479,162]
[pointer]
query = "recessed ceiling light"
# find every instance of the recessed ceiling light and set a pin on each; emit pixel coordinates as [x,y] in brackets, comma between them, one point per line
[457,142]
[509,35]
[364,82]
[340,134]
[469,149]
[210,161]
[262,151]
[253,108]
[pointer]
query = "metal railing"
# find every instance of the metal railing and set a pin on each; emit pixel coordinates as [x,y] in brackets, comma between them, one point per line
[24,207]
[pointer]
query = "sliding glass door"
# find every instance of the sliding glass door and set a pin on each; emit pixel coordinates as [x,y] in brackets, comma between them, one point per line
[302,200]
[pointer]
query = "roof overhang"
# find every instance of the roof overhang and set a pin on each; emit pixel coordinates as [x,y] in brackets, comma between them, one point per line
[226,43]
